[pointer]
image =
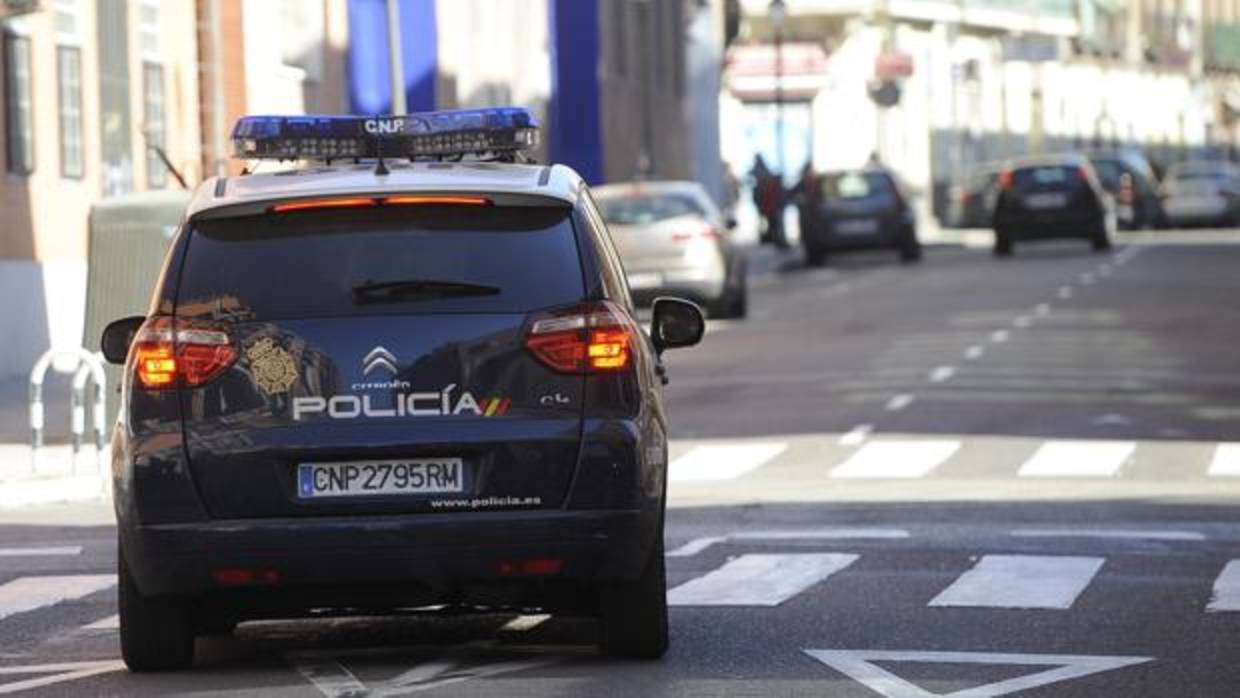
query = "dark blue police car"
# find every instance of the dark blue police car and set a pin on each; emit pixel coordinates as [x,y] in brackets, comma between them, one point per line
[406,374]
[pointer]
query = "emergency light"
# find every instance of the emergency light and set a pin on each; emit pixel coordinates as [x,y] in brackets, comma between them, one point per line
[500,132]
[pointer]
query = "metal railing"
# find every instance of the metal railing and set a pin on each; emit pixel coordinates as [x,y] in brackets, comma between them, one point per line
[87,370]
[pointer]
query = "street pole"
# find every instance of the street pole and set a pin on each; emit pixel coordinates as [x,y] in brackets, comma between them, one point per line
[396,66]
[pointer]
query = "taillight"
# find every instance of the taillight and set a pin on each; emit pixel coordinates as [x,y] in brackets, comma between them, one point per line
[168,352]
[594,338]
[1082,173]
[1006,179]
[702,232]
[1127,192]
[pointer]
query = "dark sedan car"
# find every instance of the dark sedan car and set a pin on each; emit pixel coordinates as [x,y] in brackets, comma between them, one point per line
[858,210]
[1052,197]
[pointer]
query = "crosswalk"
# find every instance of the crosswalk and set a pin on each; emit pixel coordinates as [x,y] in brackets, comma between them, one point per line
[1033,582]
[862,456]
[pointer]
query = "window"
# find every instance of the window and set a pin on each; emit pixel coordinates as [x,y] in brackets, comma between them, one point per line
[153,123]
[302,36]
[148,30]
[19,118]
[69,77]
[529,254]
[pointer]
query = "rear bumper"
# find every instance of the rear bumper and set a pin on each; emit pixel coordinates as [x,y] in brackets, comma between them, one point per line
[1070,227]
[435,552]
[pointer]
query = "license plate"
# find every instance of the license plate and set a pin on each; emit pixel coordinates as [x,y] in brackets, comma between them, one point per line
[1046,201]
[859,227]
[645,280]
[380,478]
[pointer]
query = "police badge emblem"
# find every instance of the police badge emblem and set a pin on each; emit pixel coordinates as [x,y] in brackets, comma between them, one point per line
[271,366]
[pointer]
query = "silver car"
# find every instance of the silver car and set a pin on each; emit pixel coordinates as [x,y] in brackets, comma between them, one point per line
[1202,194]
[673,240]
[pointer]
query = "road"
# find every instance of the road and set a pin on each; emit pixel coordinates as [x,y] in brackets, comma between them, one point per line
[971,477]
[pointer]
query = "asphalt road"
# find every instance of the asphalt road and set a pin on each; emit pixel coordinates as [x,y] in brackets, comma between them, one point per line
[970,477]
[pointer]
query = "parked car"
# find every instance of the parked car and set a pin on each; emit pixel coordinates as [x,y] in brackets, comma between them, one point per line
[1128,177]
[673,240]
[859,209]
[973,199]
[1049,197]
[1205,193]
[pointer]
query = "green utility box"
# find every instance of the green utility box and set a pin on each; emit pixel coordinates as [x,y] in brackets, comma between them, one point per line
[128,239]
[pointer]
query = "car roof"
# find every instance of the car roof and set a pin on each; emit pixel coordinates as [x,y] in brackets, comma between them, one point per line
[1049,160]
[555,182]
[647,187]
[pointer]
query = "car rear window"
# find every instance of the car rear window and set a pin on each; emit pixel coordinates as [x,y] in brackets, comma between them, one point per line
[647,209]
[347,262]
[856,185]
[1048,177]
[1109,171]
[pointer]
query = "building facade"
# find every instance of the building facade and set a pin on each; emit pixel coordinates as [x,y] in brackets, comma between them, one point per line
[992,79]
[92,92]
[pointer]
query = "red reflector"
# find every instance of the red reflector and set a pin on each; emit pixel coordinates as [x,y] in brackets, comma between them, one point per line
[538,567]
[356,202]
[239,577]
[433,200]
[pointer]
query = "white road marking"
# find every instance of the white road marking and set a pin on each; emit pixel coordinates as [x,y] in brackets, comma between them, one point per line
[331,677]
[450,670]
[1022,321]
[1065,292]
[862,666]
[824,534]
[525,623]
[1108,533]
[759,580]
[29,593]
[857,435]
[1104,270]
[942,373]
[722,461]
[57,673]
[1226,589]
[1087,279]
[896,459]
[1078,459]
[1226,460]
[1021,581]
[1000,336]
[695,546]
[974,352]
[109,623]
[900,402]
[41,552]
[1042,309]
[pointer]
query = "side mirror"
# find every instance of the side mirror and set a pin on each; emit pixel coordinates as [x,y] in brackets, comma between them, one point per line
[117,337]
[677,323]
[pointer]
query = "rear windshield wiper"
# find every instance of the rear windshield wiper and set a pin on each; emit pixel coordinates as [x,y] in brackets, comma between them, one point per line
[417,289]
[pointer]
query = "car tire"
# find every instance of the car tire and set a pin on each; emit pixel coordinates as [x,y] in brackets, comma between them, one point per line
[1003,244]
[910,249]
[157,633]
[634,613]
[815,256]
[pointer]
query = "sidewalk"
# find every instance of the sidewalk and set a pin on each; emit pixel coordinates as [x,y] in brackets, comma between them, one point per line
[54,476]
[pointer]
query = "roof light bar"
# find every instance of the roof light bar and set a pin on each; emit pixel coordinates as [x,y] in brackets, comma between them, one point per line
[499,132]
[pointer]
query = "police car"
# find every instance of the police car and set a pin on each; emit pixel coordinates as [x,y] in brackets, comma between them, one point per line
[404,373]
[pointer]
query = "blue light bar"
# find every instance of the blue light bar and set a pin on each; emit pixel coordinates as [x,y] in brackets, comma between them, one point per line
[499,132]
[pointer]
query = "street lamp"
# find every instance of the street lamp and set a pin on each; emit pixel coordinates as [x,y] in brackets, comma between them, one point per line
[778,14]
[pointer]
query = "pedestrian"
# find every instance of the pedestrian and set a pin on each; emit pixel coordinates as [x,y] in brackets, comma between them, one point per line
[769,197]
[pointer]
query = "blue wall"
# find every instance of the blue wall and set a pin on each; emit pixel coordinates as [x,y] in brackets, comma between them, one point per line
[370,82]
[575,130]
